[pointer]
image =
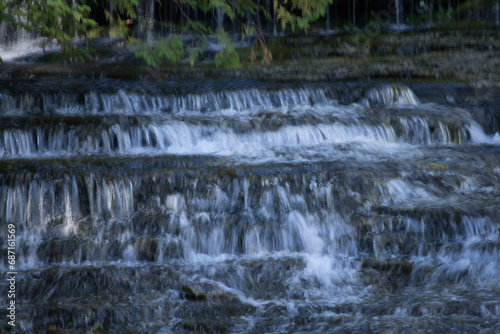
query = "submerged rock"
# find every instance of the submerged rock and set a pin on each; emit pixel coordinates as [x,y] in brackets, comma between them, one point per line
[402,266]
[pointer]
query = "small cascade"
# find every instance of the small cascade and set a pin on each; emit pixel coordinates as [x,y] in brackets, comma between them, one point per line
[245,100]
[391,95]
[126,102]
[111,207]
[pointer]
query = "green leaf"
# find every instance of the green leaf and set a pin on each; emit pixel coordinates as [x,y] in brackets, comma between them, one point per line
[156,53]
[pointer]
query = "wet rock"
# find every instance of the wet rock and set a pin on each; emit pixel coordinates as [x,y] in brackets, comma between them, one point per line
[202,291]
[206,326]
[388,265]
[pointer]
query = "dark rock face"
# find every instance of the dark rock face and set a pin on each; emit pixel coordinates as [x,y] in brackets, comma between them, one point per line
[194,291]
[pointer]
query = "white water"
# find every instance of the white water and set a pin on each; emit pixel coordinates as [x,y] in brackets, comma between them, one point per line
[20,44]
[241,102]
[26,48]
[289,202]
[243,123]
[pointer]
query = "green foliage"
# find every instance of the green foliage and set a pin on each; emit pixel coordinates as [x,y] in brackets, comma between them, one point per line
[470,5]
[466,25]
[227,57]
[252,7]
[310,11]
[11,13]
[196,51]
[63,20]
[158,52]
[57,19]
[197,26]
[122,7]
[120,14]
[224,5]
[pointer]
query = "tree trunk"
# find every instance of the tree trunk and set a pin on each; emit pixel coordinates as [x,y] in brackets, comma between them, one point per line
[497,9]
[348,9]
[397,11]
[431,11]
[476,10]
[327,17]
[274,21]
[171,15]
[336,16]
[440,10]
[111,20]
[249,19]
[354,13]
[367,19]
[150,21]
[220,18]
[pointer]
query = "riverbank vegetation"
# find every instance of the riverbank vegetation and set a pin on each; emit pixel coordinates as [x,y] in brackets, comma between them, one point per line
[168,31]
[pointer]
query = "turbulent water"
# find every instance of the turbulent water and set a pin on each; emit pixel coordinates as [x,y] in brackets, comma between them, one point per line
[251,207]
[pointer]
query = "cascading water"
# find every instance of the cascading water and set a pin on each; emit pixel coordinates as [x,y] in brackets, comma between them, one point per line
[248,207]
[15,42]
[398,12]
[497,13]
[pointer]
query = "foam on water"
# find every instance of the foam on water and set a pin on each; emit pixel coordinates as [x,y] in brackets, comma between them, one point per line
[26,47]
[479,137]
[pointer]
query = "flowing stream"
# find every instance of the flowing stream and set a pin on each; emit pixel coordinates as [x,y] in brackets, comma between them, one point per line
[250,207]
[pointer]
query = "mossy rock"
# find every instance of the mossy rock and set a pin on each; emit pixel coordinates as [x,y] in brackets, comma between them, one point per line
[231,172]
[204,326]
[388,265]
[466,26]
[437,166]
[194,291]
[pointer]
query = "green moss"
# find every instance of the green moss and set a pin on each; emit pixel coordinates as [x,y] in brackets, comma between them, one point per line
[208,326]
[388,265]
[231,172]
[466,25]
[437,166]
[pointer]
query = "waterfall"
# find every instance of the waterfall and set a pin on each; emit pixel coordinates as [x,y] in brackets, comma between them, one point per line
[17,42]
[240,206]
[497,13]
[398,12]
